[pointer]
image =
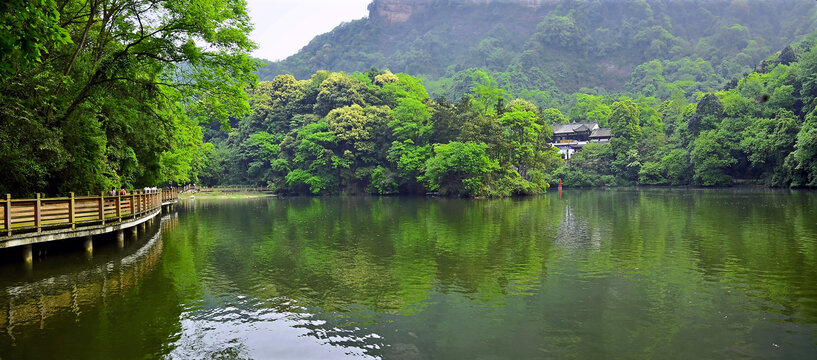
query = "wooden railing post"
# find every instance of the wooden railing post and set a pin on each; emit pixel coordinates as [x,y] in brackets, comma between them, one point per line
[8,215]
[37,213]
[102,207]
[119,206]
[132,208]
[71,212]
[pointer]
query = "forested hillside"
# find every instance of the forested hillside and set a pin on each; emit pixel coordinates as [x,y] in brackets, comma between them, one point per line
[543,50]
[380,133]
[122,93]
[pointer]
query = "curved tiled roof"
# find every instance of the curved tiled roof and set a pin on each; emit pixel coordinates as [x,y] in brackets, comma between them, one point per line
[601,133]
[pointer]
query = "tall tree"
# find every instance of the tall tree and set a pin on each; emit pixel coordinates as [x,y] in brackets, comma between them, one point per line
[114,101]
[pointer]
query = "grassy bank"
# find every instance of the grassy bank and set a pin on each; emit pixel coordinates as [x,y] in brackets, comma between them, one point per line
[225,195]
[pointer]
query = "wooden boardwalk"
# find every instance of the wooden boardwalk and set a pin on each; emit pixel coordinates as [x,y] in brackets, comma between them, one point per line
[37,220]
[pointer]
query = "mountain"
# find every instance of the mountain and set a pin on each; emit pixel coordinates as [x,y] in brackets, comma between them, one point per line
[558,46]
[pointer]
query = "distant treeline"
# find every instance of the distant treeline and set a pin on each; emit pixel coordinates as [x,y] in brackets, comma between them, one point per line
[380,133]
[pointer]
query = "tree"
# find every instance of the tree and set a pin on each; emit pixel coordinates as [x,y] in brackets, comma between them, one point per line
[807,68]
[590,108]
[787,56]
[553,116]
[676,167]
[624,125]
[710,160]
[361,136]
[444,120]
[768,141]
[29,29]
[527,135]
[340,90]
[707,114]
[120,102]
[315,164]
[803,168]
[458,168]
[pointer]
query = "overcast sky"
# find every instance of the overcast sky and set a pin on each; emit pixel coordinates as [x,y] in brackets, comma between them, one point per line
[282,27]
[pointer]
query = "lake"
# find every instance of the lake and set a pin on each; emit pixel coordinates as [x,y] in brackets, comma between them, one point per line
[590,274]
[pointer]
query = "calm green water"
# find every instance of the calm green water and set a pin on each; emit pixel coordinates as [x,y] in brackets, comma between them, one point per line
[596,274]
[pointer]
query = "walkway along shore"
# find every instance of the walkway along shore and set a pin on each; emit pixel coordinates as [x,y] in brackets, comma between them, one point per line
[25,222]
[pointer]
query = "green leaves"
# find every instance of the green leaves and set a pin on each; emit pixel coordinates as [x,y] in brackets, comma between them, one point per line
[459,168]
[30,28]
[711,159]
[121,105]
[624,123]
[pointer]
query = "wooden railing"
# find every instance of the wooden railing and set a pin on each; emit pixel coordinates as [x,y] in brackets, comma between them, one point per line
[19,215]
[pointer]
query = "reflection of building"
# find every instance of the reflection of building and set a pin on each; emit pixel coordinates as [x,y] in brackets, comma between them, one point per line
[575,232]
[570,138]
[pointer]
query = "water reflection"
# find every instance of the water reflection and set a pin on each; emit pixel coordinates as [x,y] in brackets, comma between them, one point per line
[593,274]
[56,289]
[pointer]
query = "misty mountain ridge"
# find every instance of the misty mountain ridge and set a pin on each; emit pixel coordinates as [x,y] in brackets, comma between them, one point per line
[553,47]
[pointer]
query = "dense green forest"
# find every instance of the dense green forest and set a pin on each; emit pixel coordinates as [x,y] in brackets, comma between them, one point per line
[122,93]
[544,51]
[97,94]
[380,133]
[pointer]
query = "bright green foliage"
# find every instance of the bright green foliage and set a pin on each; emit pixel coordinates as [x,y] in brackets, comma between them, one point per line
[652,173]
[527,135]
[672,169]
[624,124]
[676,167]
[769,141]
[553,116]
[107,93]
[356,128]
[29,28]
[154,92]
[315,164]
[487,96]
[383,181]
[410,158]
[405,86]
[709,112]
[459,168]
[590,108]
[340,90]
[411,120]
[807,77]
[710,159]
[420,143]
[804,164]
